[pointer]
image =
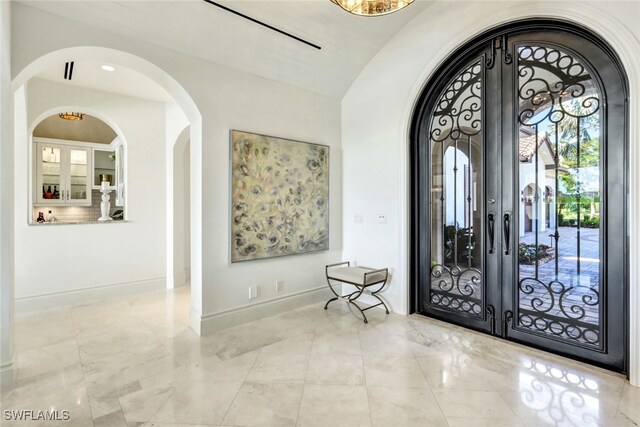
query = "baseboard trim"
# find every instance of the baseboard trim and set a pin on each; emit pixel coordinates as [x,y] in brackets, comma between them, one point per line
[214,322]
[83,296]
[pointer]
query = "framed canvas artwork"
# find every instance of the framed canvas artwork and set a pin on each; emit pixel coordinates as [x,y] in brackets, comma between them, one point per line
[279,197]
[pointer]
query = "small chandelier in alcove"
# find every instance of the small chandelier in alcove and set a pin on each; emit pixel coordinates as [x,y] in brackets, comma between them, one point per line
[71,116]
[372,7]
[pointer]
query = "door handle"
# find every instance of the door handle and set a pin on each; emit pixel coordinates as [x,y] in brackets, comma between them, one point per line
[491,223]
[507,232]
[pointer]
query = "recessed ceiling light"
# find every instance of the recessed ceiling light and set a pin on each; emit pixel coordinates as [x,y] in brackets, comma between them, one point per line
[107,68]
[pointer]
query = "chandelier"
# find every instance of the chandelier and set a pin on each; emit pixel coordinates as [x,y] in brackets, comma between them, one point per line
[372,7]
[71,116]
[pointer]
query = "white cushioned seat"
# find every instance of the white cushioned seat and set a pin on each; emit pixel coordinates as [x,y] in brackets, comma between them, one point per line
[356,275]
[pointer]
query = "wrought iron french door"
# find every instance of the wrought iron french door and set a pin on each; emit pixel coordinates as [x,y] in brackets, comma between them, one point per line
[519,183]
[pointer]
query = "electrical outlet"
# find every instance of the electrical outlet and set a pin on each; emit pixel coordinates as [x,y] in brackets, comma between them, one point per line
[358,219]
[382,218]
[253,292]
[278,285]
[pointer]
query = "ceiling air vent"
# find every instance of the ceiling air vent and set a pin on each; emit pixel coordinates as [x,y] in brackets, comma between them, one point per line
[255,21]
[68,70]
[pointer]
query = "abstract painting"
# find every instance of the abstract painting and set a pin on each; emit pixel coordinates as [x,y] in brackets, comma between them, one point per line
[280,197]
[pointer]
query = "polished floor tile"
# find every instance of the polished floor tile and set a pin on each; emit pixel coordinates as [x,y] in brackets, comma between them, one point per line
[264,404]
[482,404]
[393,371]
[279,368]
[335,369]
[143,404]
[135,362]
[337,406]
[199,402]
[402,406]
[298,344]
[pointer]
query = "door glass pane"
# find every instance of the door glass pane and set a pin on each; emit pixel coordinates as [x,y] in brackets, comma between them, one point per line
[559,151]
[78,174]
[456,185]
[51,189]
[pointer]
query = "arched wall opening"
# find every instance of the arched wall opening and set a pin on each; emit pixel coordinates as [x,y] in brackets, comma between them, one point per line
[183,108]
[52,113]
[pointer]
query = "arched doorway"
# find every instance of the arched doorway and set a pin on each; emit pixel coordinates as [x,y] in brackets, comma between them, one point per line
[546,103]
[181,104]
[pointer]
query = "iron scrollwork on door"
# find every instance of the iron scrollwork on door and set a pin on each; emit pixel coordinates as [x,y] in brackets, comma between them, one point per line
[559,284]
[499,44]
[455,135]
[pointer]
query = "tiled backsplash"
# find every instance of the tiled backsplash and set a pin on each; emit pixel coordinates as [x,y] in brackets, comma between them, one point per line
[78,213]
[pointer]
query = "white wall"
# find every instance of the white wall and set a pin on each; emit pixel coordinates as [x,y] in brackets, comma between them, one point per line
[54,259]
[177,126]
[377,111]
[181,224]
[527,176]
[6,206]
[227,99]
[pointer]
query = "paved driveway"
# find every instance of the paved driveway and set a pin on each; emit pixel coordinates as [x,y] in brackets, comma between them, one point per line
[565,302]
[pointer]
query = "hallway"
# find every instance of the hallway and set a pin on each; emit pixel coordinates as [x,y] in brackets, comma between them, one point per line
[135,362]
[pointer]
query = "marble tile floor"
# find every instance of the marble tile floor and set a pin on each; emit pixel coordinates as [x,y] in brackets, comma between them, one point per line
[134,362]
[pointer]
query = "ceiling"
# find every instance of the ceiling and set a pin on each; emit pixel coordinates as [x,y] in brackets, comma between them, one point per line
[89,129]
[121,80]
[202,30]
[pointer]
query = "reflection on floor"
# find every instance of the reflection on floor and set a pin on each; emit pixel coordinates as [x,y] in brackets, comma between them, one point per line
[134,362]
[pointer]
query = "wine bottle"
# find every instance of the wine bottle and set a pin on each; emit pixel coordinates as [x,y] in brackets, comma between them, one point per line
[56,193]
[43,192]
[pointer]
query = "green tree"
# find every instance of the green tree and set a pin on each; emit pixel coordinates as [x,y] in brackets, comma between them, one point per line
[578,134]
[568,131]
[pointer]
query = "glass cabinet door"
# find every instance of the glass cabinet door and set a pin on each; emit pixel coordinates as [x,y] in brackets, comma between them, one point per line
[50,173]
[63,175]
[79,188]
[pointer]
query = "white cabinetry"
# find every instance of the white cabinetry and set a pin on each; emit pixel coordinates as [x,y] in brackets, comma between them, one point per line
[62,174]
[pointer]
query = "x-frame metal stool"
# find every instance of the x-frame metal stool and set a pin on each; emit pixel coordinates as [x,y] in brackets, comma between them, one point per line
[360,277]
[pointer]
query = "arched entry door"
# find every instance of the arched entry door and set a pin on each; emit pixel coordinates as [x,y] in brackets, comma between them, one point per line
[519,183]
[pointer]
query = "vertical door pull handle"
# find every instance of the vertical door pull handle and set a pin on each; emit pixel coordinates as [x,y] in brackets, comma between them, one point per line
[507,232]
[491,222]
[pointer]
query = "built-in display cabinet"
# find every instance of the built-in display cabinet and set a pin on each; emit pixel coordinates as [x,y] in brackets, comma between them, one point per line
[62,175]
[66,172]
